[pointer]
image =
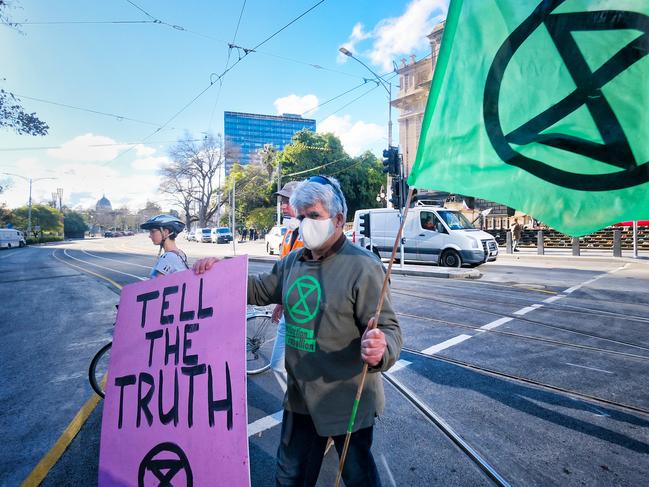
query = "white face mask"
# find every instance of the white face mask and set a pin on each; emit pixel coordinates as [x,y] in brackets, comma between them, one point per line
[316,232]
[291,223]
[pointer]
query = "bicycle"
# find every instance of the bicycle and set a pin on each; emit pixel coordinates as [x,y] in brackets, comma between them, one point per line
[260,339]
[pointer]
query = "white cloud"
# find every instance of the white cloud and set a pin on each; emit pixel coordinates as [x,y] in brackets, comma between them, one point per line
[83,184]
[296,104]
[150,163]
[144,151]
[88,147]
[356,137]
[399,36]
[356,36]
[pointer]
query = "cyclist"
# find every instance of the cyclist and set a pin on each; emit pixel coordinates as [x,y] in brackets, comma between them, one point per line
[292,240]
[163,230]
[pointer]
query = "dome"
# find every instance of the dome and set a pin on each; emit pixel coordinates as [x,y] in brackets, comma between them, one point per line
[104,204]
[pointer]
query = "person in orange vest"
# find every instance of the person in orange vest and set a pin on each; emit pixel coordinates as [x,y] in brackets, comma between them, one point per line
[291,241]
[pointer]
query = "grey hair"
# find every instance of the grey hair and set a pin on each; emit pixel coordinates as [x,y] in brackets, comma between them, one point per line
[308,193]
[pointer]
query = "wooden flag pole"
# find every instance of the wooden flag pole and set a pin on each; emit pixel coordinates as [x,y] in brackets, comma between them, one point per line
[384,290]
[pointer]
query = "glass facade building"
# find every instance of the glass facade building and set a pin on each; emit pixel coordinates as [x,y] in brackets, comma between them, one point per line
[246,133]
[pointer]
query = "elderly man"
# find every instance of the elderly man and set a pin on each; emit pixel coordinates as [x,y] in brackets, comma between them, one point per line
[329,290]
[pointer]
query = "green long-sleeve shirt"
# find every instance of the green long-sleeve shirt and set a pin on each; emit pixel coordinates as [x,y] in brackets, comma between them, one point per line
[327,305]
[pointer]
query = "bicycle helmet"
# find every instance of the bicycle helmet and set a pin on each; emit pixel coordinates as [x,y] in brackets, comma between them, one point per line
[170,222]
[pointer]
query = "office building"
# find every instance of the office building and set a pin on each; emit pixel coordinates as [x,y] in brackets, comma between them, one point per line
[247,133]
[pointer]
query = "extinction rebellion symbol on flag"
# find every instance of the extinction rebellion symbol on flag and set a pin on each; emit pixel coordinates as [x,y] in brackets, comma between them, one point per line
[615,150]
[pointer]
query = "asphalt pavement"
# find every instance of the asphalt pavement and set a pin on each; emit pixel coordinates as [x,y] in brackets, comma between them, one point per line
[540,365]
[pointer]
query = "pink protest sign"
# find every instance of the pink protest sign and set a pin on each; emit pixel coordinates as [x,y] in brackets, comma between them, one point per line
[175,409]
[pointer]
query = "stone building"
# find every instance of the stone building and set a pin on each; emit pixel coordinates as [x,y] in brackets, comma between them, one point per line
[415,78]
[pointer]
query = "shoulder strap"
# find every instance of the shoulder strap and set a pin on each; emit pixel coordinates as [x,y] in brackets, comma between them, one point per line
[182,256]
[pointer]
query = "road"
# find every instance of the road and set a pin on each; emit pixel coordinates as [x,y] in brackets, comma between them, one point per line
[540,368]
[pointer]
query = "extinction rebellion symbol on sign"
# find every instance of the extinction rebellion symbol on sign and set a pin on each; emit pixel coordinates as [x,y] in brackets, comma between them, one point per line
[615,151]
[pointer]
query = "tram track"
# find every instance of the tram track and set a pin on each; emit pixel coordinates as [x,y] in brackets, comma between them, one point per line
[525,380]
[524,319]
[555,305]
[643,358]
[447,431]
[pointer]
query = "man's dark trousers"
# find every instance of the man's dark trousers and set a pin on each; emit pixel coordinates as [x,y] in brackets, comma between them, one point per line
[301,450]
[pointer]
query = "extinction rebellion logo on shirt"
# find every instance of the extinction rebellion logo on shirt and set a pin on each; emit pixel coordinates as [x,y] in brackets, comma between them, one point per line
[302,306]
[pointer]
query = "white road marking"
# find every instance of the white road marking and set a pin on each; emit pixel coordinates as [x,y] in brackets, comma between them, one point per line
[590,281]
[116,260]
[524,311]
[553,299]
[265,423]
[591,368]
[387,468]
[102,267]
[444,345]
[400,364]
[495,323]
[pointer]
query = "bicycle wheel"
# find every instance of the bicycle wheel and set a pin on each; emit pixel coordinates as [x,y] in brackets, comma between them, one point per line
[98,370]
[260,339]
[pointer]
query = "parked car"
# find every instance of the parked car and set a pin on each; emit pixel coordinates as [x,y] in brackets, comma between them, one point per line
[431,234]
[109,234]
[10,237]
[221,235]
[194,234]
[274,239]
[205,235]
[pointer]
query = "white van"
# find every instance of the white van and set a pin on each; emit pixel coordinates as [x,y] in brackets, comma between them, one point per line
[431,234]
[10,237]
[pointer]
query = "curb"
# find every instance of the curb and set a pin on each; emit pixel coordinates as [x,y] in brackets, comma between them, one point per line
[449,273]
[577,258]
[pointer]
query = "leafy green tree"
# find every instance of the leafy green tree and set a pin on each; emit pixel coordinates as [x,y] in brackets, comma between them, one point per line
[261,218]
[253,189]
[310,154]
[267,157]
[74,223]
[48,219]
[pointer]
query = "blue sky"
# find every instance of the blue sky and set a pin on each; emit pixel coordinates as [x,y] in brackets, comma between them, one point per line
[149,71]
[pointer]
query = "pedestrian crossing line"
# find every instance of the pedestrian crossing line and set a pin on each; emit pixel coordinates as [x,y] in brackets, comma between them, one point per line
[265,423]
[527,309]
[446,344]
[495,323]
[553,299]
[400,364]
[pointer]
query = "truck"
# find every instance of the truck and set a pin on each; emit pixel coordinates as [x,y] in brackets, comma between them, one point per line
[10,238]
[431,234]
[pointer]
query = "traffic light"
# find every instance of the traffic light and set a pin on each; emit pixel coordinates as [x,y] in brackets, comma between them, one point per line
[364,225]
[396,198]
[391,161]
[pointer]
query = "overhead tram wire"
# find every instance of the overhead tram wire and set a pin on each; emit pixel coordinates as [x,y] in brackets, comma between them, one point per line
[219,78]
[15,149]
[227,63]
[89,110]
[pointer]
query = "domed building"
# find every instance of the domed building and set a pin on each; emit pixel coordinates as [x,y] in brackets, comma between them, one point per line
[103,205]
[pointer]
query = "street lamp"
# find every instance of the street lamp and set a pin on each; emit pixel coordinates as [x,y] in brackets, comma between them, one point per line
[29,212]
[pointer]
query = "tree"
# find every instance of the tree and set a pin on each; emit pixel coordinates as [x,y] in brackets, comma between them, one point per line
[12,114]
[310,154]
[150,210]
[74,224]
[267,157]
[253,189]
[261,218]
[48,219]
[191,179]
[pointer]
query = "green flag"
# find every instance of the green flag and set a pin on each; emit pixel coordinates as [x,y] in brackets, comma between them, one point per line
[542,106]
